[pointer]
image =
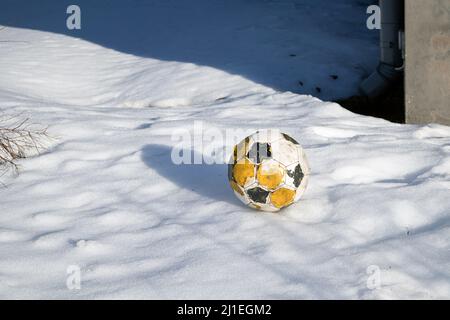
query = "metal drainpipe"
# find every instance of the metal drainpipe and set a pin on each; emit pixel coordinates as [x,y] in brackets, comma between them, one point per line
[391,62]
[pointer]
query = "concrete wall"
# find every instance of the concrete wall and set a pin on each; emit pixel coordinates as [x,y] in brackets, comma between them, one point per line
[427,70]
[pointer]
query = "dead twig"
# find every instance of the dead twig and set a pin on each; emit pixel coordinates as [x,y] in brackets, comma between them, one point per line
[18,140]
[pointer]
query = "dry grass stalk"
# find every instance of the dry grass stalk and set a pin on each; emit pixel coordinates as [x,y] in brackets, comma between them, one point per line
[18,140]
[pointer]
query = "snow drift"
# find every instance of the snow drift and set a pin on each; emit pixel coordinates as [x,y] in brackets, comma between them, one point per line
[106,197]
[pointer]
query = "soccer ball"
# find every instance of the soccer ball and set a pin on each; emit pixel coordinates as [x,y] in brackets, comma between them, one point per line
[268,170]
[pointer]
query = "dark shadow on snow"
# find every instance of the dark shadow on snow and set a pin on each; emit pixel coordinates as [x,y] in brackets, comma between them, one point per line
[206,180]
[263,41]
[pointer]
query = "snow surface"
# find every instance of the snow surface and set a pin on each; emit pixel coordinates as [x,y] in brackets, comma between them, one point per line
[106,197]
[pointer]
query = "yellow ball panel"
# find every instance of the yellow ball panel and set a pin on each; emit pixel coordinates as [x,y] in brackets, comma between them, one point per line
[243,170]
[282,197]
[270,174]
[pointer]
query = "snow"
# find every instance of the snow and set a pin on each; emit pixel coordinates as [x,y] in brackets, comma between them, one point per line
[106,197]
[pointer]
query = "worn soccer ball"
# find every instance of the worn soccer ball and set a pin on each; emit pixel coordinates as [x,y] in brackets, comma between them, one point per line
[268,170]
